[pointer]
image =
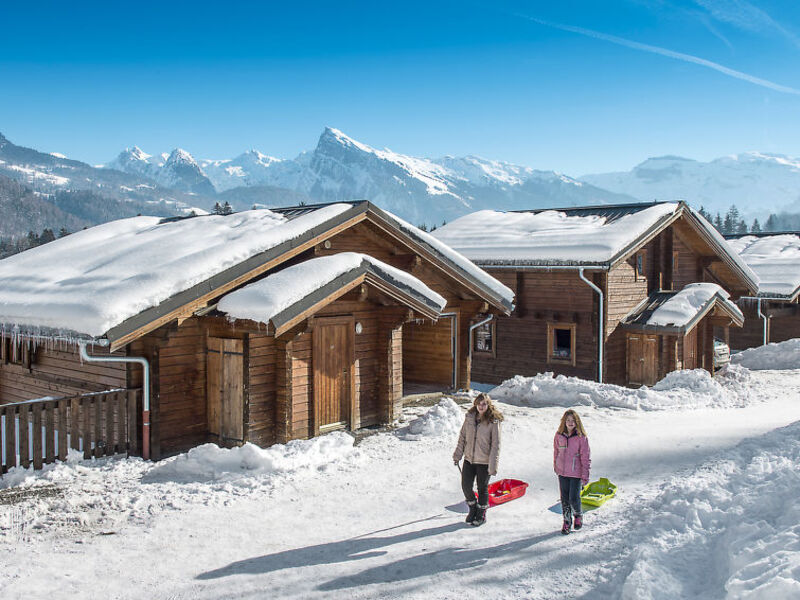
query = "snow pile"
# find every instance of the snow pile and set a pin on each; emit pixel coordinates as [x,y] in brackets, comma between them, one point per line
[684,306]
[262,300]
[733,525]
[103,494]
[693,388]
[442,420]
[209,462]
[783,355]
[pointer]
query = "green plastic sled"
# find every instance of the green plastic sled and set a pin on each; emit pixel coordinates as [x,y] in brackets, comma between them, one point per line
[597,492]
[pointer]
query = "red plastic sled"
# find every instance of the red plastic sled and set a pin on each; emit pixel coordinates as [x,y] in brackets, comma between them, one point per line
[505,490]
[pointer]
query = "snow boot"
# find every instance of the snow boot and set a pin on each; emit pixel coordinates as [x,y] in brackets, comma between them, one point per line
[578,522]
[473,511]
[567,512]
[480,516]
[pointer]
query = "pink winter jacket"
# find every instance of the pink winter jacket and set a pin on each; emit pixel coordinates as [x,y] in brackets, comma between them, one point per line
[571,456]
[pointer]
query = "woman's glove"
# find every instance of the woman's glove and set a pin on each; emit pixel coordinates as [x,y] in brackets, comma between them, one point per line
[492,473]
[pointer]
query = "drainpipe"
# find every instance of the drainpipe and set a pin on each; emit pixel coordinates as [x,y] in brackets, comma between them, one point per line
[453,343]
[145,388]
[600,336]
[473,328]
[760,314]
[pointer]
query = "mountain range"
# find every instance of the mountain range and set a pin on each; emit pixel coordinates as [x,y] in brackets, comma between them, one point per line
[59,192]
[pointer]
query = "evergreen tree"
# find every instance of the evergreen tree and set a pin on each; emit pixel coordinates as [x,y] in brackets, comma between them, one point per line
[226,209]
[741,227]
[705,214]
[755,227]
[63,232]
[718,223]
[217,210]
[772,223]
[422,226]
[47,236]
[33,240]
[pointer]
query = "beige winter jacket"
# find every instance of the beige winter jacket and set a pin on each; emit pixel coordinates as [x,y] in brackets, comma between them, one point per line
[479,443]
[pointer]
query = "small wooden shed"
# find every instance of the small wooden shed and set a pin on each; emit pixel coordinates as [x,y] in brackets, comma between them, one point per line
[262,326]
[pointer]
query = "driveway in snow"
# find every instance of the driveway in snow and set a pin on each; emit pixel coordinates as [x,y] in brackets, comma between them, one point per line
[384,519]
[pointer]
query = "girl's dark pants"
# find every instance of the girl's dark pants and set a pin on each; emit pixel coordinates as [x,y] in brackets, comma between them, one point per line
[468,474]
[570,496]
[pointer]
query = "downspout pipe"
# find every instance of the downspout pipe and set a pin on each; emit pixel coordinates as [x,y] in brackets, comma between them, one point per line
[760,314]
[473,328]
[145,388]
[600,336]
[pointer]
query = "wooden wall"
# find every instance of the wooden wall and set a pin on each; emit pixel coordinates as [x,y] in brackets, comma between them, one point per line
[428,355]
[56,370]
[624,292]
[521,344]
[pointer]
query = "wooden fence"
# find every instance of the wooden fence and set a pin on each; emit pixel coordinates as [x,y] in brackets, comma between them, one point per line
[40,431]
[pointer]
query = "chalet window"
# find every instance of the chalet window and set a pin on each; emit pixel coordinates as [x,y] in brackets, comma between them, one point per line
[561,343]
[641,264]
[484,338]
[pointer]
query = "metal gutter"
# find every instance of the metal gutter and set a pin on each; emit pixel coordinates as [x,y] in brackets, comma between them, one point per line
[145,388]
[600,327]
[760,314]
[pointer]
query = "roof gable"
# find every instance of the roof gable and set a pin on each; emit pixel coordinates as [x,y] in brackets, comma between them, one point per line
[286,296]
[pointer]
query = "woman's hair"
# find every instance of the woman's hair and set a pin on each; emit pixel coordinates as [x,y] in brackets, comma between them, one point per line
[562,427]
[492,412]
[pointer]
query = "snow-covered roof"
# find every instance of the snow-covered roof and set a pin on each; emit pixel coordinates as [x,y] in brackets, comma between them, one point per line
[587,236]
[92,280]
[776,261]
[114,278]
[280,297]
[549,237]
[683,309]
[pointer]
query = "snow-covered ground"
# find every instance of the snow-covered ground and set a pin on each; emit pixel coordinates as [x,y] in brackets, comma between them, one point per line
[706,507]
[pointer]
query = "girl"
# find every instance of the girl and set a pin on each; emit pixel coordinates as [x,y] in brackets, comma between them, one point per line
[479,444]
[571,460]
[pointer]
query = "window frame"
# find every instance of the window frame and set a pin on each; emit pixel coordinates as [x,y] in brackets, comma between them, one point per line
[641,254]
[492,336]
[552,326]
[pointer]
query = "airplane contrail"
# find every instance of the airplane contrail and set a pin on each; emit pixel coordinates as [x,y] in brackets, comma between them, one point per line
[665,52]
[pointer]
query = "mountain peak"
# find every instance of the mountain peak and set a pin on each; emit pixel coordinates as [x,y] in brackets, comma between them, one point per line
[181,156]
[134,153]
[333,136]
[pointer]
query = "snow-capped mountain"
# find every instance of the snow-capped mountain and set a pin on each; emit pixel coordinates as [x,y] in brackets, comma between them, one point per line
[420,190]
[758,184]
[177,170]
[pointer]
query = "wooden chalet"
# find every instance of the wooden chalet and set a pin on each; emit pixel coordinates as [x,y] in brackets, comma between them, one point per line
[773,314]
[595,273]
[264,326]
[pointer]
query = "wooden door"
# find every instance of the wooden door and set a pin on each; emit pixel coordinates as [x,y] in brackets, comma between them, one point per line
[642,352]
[225,389]
[690,350]
[333,359]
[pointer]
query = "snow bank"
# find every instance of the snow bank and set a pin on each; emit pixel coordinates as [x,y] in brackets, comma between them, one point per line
[209,462]
[102,494]
[783,355]
[733,525]
[680,389]
[444,419]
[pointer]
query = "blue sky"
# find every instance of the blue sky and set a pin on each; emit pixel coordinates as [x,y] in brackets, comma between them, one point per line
[578,87]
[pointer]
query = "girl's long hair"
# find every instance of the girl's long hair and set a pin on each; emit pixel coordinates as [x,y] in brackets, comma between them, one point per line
[562,427]
[492,412]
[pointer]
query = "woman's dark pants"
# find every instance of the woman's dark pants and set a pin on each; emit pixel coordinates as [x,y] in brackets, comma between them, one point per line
[570,496]
[469,473]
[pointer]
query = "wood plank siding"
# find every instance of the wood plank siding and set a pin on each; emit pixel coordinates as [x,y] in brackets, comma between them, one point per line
[57,370]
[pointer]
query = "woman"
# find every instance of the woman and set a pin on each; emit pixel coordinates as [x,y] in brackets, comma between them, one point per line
[479,444]
[571,461]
